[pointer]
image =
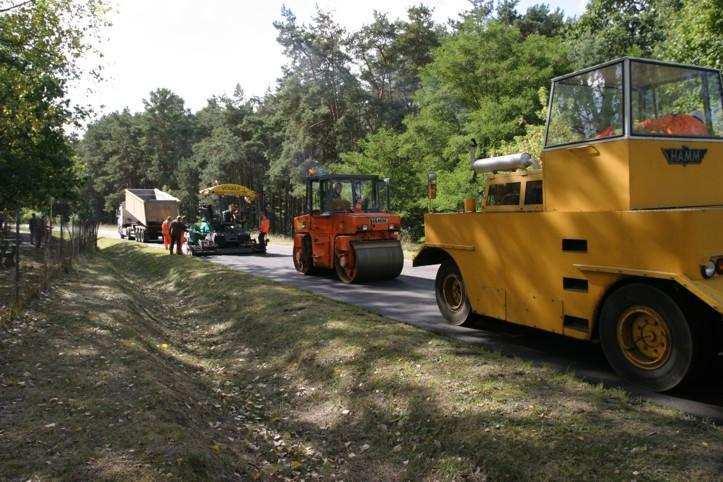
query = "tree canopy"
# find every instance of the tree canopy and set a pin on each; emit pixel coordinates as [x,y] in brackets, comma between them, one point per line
[41,43]
[398,97]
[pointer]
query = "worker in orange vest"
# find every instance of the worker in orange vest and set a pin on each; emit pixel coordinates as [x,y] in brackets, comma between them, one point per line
[166,231]
[264,227]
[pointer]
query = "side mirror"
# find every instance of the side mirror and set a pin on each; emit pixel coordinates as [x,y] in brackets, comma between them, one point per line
[432,185]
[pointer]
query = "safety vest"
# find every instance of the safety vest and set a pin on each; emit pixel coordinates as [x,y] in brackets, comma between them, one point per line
[264,225]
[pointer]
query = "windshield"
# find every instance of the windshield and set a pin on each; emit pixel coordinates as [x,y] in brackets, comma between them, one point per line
[349,195]
[669,100]
[220,210]
[587,106]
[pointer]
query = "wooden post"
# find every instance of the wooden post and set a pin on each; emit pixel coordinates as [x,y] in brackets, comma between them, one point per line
[62,259]
[46,250]
[17,258]
[74,239]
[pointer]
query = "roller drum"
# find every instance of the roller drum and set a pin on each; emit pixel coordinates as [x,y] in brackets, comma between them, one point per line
[378,260]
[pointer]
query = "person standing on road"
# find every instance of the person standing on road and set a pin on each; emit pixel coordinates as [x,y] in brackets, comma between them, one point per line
[177,228]
[264,227]
[166,232]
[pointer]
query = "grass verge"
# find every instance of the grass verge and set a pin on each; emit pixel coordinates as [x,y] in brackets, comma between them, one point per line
[34,272]
[141,365]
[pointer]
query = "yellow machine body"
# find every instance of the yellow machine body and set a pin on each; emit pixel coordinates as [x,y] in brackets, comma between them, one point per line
[611,210]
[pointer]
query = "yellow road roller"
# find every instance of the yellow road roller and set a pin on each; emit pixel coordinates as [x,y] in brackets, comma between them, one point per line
[614,235]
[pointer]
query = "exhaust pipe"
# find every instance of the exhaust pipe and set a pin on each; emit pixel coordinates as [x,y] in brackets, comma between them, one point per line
[510,162]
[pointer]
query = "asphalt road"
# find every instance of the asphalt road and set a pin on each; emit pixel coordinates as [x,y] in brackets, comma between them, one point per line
[410,299]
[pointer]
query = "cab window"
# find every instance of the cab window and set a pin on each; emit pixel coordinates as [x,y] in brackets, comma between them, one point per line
[337,195]
[383,196]
[586,106]
[504,194]
[364,195]
[315,197]
[670,100]
[533,193]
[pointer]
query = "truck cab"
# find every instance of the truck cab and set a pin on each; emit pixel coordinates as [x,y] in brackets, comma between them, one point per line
[615,234]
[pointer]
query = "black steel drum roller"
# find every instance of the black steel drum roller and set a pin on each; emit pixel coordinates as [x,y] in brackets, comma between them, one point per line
[377,260]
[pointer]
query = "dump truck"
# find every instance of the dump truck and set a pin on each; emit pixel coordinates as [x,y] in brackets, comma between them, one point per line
[614,235]
[347,227]
[223,211]
[141,214]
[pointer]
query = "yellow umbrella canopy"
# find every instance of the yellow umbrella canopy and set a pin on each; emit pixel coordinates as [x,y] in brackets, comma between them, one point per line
[229,190]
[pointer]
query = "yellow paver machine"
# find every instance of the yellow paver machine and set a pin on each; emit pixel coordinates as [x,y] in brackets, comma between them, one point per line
[224,226]
[615,234]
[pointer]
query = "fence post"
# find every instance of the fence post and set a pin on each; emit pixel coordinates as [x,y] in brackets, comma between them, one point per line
[17,257]
[62,259]
[46,251]
[73,238]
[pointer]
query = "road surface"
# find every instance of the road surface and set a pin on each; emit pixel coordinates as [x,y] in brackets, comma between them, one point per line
[410,299]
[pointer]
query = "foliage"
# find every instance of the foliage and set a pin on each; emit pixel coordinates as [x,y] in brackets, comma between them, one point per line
[695,34]
[537,19]
[168,133]
[532,140]
[390,55]
[113,155]
[482,84]
[397,98]
[318,94]
[614,28]
[41,45]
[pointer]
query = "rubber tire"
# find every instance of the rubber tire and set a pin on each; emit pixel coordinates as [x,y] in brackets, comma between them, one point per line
[464,314]
[307,252]
[684,351]
[340,273]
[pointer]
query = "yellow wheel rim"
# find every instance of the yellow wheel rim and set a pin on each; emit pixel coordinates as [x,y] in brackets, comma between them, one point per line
[453,292]
[644,337]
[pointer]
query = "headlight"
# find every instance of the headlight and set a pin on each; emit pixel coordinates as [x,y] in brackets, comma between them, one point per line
[708,270]
[364,227]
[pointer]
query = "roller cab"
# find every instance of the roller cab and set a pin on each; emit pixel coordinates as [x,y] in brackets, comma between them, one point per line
[614,235]
[347,228]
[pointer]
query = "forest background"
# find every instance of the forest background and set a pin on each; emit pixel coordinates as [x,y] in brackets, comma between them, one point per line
[398,98]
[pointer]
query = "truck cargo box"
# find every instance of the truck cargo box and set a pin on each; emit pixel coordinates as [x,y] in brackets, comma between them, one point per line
[150,206]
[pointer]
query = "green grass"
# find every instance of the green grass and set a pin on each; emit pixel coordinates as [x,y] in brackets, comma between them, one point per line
[142,366]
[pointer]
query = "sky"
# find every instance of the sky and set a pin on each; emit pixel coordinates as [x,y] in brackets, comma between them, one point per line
[203,48]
